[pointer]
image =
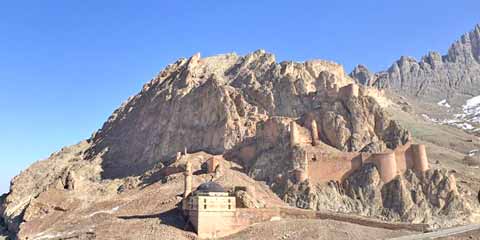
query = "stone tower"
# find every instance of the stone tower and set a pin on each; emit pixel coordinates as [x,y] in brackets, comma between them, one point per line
[293,134]
[386,164]
[188,179]
[314,133]
[420,159]
[212,164]
[305,165]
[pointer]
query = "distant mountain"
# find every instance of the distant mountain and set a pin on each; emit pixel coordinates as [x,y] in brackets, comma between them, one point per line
[435,77]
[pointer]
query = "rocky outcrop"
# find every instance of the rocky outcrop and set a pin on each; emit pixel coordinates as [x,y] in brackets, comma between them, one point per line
[431,198]
[434,77]
[246,200]
[236,93]
[362,75]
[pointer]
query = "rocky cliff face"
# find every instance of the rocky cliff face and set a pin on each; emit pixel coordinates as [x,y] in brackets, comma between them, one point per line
[213,104]
[434,77]
[431,198]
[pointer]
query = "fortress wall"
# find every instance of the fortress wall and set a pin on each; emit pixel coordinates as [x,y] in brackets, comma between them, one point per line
[377,94]
[403,157]
[332,90]
[318,66]
[293,134]
[419,157]
[350,90]
[256,215]
[324,167]
[314,133]
[270,131]
[400,161]
[386,164]
[299,135]
[212,164]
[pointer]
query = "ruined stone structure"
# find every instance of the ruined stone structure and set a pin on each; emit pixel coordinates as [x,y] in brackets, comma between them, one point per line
[212,164]
[351,90]
[293,134]
[314,133]
[321,164]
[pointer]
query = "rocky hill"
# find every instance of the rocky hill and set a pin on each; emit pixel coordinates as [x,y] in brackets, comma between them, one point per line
[237,108]
[210,104]
[454,76]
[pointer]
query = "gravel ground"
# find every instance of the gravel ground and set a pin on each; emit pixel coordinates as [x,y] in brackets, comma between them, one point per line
[473,235]
[313,229]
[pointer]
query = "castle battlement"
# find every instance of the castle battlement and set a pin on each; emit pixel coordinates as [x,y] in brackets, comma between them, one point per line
[351,90]
[319,164]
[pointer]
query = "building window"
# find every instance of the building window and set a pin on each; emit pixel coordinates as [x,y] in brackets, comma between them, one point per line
[205,200]
[229,200]
[205,206]
[229,206]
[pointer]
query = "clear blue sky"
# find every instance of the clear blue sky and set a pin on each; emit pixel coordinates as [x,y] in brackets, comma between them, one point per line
[66,65]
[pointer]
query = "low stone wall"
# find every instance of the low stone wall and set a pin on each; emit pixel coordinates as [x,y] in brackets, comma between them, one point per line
[309,214]
[351,90]
[248,216]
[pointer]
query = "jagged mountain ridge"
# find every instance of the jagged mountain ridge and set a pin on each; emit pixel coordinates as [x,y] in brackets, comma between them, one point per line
[435,77]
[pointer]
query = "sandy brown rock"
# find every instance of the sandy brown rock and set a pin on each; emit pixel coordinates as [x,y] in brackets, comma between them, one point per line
[236,93]
[431,198]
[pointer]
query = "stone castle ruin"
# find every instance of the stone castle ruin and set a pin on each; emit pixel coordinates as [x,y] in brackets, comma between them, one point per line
[317,164]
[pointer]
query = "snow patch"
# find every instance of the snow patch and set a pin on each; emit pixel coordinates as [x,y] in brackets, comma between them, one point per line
[471,110]
[468,119]
[444,103]
[44,236]
[473,152]
[451,122]
[111,211]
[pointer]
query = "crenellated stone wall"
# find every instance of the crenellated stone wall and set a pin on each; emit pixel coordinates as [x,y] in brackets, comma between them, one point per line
[321,163]
[351,90]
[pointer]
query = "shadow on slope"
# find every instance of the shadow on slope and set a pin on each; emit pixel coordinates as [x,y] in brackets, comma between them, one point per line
[172,217]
